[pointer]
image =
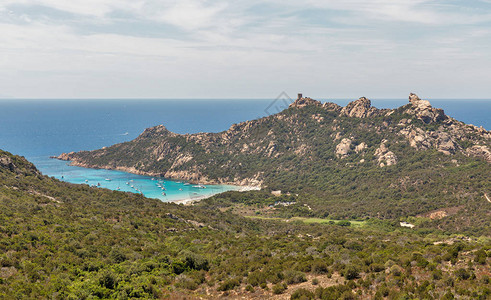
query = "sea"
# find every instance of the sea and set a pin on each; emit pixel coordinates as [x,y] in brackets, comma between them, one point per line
[40,128]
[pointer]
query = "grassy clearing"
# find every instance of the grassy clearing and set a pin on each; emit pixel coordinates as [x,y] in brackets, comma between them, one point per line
[353,223]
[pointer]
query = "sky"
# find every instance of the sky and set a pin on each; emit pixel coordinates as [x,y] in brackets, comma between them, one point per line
[245,49]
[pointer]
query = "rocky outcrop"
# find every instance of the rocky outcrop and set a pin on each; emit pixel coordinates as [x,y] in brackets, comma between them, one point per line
[480,151]
[343,148]
[332,107]
[384,156]
[422,140]
[423,110]
[6,163]
[302,102]
[360,147]
[361,108]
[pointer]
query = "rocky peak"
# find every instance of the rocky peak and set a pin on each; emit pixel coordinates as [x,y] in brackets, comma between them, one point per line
[413,98]
[304,101]
[360,108]
[423,110]
[155,131]
[332,106]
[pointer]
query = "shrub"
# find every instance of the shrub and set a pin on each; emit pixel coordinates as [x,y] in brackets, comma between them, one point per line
[279,288]
[228,284]
[292,277]
[320,267]
[108,280]
[344,223]
[480,257]
[185,282]
[462,274]
[377,267]
[351,273]
[196,261]
[302,294]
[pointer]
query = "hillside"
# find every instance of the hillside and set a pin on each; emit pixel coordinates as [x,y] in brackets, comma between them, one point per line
[346,162]
[66,241]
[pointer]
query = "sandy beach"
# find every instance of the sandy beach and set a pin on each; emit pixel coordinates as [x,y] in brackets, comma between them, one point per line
[191,200]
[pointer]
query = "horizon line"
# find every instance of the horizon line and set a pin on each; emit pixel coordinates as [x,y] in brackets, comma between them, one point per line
[226,98]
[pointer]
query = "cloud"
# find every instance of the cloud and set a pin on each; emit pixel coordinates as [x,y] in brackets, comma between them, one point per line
[104,47]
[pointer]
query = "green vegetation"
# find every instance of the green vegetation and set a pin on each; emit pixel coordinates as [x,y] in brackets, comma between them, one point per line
[65,241]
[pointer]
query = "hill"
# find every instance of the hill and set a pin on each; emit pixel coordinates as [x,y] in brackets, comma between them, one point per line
[66,241]
[344,162]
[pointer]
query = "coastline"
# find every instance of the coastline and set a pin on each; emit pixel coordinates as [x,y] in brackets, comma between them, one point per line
[193,178]
[183,196]
[191,201]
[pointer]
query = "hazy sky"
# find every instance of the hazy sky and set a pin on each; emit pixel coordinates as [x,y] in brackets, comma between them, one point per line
[241,49]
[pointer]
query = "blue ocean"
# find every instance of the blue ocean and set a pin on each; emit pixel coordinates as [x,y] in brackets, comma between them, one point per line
[38,129]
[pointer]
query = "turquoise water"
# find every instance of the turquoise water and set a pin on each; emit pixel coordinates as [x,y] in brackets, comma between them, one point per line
[38,129]
[151,187]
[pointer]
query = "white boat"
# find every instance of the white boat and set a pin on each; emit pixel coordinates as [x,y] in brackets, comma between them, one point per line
[164,194]
[199,186]
[107,179]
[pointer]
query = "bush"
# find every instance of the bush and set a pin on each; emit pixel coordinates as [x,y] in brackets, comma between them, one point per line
[196,261]
[279,288]
[183,281]
[302,294]
[480,257]
[462,274]
[351,273]
[344,223]
[293,277]
[108,280]
[377,267]
[228,284]
[320,267]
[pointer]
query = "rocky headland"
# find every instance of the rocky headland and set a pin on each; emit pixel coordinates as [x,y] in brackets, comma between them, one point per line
[308,130]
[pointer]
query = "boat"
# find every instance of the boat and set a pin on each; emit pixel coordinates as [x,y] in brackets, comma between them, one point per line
[118,188]
[107,179]
[86,180]
[180,189]
[199,186]
[187,183]
[164,194]
[127,183]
